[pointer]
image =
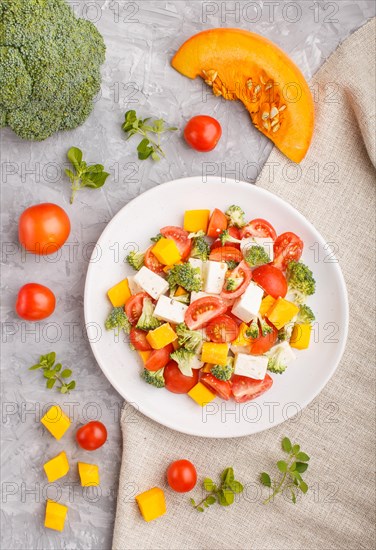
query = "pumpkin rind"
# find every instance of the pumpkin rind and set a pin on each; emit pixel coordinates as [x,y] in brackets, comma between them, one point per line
[242,65]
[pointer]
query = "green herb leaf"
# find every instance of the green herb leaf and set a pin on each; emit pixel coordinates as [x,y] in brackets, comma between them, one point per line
[303,487]
[75,157]
[52,373]
[50,383]
[92,176]
[236,486]
[191,500]
[303,457]
[66,373]
[210,500]
[227,475]
[224,495]
[295,449]
[286,445]
[301,467]
[293,497]
[265,479]
[282,465]
[199,508]
[208,484]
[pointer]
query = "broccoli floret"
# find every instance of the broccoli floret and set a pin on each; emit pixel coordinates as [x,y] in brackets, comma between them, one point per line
[284,334]
[200,249]
[253,331]
[224,372]
[225,238]
[147,321]
[135,259]
[231,264]
[232,283]
[157,238]
[305,315]
[186,276]
[186,360]
[235,216]
[279,357]
[189,339]
[49,67]
[118,320]
[264,327]
[256,255]
[155,378]
[300,281]
[183,298]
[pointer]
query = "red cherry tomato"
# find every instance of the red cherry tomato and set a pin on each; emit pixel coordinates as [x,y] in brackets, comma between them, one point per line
[35,302]
[138,339]
[271,280]
[133,307]
[151,262]
[222,388]
[258,228]
[262,344]
[92,436]
[176,382]
[201,311]
[180,236]
[242,273]
[287,247]
[159,358]
[226,254]
[181,476]
[202,133]
[244,388]
[217,223]
[43,228]
[222,329]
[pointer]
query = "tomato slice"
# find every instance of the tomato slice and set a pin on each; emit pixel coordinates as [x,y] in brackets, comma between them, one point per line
[201,311]
[244,388]
[262,344]
[258,228]
[176,381]
[180,236]
[225,254]
[152,263]
[287,247]
[138,339]
[133,307]
[271,279]
[222,329]
[222,388]
[241,273]
[159,358]
[217,223]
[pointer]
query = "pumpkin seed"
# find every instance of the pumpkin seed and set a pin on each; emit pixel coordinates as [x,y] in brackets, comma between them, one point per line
[274,122]
[276,128]
[268,86]
[262,80]
[266,125]
[282,108]
[274,111]
[257,89]
[249,84]
[265,115]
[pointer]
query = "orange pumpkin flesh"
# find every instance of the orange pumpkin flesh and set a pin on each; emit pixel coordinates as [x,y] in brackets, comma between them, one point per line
[239,64]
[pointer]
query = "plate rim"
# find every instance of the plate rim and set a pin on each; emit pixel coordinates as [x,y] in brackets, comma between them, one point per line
[215,180]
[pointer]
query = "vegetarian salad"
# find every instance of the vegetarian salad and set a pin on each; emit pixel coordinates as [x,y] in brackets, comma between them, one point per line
[215,306]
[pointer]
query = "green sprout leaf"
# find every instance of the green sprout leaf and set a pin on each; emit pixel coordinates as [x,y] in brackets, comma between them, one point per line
[52,374]
[92,176]
[223,494]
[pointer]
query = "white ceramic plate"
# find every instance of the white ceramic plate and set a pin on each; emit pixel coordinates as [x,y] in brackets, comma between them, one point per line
[304,379]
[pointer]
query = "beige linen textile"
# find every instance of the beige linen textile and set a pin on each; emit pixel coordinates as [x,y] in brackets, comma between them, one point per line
[337,430]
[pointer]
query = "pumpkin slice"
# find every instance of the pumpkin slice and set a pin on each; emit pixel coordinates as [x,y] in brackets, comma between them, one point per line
[239,64]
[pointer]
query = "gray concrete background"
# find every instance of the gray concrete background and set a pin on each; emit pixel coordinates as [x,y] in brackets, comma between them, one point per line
[140,39]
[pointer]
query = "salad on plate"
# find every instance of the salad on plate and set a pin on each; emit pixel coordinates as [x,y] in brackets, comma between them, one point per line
[215,307]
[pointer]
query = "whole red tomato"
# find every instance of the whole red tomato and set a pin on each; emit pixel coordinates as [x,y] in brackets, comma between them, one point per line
[43,228]
[182,476]
[92,436]
[35,302]
[202,133]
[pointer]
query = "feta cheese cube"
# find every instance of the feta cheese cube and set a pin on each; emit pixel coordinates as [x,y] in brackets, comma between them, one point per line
[133,286]
[247,306]
[265,242]
[214,276]
[170,310]
[197,295]
[251,365]
[151,283]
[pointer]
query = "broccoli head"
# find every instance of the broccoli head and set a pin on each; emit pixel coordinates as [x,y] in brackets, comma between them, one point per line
[305,315]
[49,67]
[225,238]
[300,281]
[253,330]
[224,372]
[279,357]
[189,339]
[235,216]
[265,328]
[186,276]
[200,249]
[186,360]
[147,321]
[256,255]
[155,378]
[117,321]
[135,259]
[232,282]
